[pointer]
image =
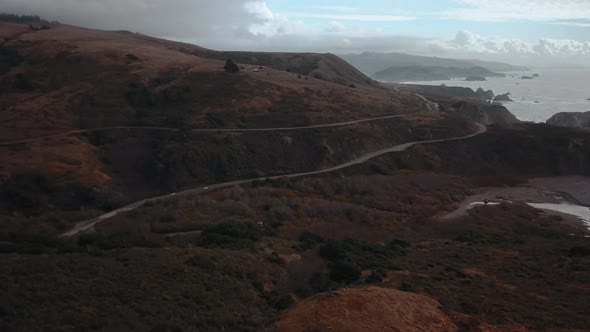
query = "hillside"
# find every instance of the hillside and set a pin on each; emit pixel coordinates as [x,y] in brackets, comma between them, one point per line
[573,120]
[328,67]
[370,63]
[145,188]
[153,96]
[430,73]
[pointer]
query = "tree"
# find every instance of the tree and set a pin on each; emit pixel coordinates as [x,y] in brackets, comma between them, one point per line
[231,66]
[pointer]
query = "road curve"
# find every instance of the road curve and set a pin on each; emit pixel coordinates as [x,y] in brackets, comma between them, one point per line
[84,225]
[430,106]
[208,130]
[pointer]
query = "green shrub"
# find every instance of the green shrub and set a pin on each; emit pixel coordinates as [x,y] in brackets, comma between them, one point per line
[361,253]
[275,258]
[132,57]
[231,66]
[20,18]
[308,240]
[279,301]
[579,251]
[202,262]
[168,219]
[405,287]
[333,250]
[376,276]
[320,282]
[345,272]
[233,235]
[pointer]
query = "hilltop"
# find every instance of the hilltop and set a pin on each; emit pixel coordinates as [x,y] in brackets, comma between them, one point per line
[371,62]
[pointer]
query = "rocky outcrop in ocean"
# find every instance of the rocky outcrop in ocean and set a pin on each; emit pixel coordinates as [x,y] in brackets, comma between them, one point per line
[475,78]
[487,95]
[504,97]
[571,119]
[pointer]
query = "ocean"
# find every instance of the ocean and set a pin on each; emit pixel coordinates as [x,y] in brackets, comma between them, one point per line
[555,91]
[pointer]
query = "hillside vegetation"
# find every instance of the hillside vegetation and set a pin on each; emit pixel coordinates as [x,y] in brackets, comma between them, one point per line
[92,121]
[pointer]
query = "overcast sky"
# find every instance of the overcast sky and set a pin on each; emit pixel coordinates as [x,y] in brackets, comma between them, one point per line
[519,31]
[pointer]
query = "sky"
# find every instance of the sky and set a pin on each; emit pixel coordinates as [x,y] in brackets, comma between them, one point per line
[530,32]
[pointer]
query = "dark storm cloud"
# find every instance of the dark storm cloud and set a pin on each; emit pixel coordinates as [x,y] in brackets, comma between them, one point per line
[166,18]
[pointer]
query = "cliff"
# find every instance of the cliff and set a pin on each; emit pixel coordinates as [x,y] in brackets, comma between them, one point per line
[486,114]
[572,119]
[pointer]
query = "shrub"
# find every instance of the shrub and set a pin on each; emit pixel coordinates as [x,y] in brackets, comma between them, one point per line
[167,219]
[405,287]
[202,262]
[579,251]
[333,250]
[279,301]
[9,57]
[231,235]
[231,66]
[132,57]
[376,276]
[320,282]
[308,240]
[363,254]
[20,18]
[116,240]
[275,258]
[343,271]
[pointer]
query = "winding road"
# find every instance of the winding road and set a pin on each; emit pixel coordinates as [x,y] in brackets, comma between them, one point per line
[430,106]
[84,225]
[207,130]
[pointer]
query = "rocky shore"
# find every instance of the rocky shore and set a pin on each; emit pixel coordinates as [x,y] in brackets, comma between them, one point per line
[572,120]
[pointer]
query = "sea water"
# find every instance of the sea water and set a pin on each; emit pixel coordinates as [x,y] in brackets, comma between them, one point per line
[582,212]
[555,91]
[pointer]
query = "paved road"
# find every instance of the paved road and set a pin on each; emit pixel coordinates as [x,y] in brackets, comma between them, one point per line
[84,225]
[221,130]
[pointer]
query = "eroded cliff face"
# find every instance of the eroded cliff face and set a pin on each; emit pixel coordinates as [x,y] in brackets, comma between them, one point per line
[486,114]
[573,120]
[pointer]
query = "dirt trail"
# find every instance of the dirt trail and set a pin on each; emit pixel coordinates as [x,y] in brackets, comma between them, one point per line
[206,130]
[84,225]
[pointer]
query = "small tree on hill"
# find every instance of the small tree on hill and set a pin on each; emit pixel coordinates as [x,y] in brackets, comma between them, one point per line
[231,66]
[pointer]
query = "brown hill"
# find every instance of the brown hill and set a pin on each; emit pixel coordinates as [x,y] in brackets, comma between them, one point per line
[328,67]
[69,78]
[366,309]
[88,78]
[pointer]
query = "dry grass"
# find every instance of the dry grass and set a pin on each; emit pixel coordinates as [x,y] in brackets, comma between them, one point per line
[366,309]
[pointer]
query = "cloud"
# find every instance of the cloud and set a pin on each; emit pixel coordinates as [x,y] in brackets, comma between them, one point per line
[577,24]
[335,26]
[468,42]
[335,8]
[526,10]
[170,18]
[471,42]
[562,47]
[354,17]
